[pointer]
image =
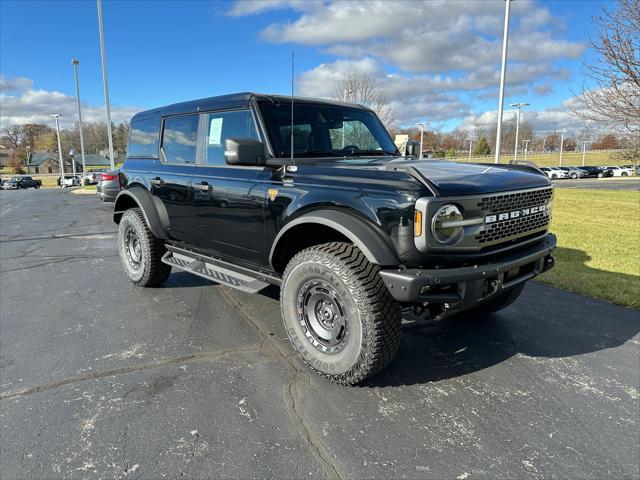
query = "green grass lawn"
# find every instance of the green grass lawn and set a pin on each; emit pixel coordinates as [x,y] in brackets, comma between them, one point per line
[598,244]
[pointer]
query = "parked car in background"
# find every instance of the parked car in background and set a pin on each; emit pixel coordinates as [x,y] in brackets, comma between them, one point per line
[108,185]
[70,181]
[554,173]
[596,172]
[19,182]
[619,171]
[574,172]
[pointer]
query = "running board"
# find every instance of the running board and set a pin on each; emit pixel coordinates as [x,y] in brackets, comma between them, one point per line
[213,269]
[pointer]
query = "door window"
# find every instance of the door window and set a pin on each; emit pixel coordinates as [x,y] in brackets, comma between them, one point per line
[179,139]
[223,125]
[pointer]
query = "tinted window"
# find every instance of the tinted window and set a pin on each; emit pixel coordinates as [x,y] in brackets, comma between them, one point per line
[223,125]
[179,139]
[325,131]
[143,138]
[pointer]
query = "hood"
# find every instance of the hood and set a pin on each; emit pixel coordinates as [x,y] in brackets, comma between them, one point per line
[450,179]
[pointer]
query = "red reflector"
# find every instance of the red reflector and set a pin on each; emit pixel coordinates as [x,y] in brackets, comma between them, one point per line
[108,176]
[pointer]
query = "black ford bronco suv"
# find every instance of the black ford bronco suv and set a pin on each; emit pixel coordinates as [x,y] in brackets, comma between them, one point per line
[311,195]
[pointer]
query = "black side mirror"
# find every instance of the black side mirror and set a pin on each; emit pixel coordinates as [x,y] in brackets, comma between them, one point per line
[243,151]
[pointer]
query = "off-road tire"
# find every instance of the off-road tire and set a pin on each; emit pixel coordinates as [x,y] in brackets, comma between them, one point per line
[151,272]
[499,301]
[372,336]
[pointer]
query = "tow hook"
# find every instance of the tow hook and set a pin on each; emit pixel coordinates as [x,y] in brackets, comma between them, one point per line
[549,262]
[493,286]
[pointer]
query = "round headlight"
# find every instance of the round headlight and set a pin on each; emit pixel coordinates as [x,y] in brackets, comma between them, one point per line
[443,231]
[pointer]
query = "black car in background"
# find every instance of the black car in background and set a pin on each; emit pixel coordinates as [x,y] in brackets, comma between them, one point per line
[597,172]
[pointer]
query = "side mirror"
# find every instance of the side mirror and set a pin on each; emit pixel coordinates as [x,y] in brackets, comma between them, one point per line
[243,151]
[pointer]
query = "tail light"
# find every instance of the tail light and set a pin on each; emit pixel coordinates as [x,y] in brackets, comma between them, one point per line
[107,177]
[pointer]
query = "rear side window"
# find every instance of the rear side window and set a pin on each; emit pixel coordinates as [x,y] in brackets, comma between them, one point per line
[223,125]
[180,138]
[143,138]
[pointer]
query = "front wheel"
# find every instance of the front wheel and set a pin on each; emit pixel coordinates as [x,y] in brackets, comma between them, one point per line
[574,176]
[140,251]
[338,313]
[625,174]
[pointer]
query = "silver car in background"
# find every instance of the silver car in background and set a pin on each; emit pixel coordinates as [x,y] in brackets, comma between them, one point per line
[108,185]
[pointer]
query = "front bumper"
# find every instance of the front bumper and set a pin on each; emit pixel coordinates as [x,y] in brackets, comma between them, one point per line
[463,287]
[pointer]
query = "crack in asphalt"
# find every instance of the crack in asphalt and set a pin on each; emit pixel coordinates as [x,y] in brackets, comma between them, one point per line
[293,394]
[193,358]
[74,236]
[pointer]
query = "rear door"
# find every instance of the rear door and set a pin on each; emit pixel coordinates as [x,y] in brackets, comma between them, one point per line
[173,173]
[229,200]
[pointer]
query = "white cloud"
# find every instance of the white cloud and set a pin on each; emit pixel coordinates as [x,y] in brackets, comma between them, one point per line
[252,7]
[15,84]
[20,104]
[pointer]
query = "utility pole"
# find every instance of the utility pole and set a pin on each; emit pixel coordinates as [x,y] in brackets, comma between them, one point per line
[421,125]
[75,64]
[519,106]
[561,145]
[584,150]
[59,151]
[503,74]
[470,143]
[544,144]
[526,149]
[106,84]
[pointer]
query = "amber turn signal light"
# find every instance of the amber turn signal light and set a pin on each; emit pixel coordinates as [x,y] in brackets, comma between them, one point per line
[417,223]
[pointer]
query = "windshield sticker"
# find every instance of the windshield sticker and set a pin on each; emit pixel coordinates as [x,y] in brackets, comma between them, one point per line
[215,131]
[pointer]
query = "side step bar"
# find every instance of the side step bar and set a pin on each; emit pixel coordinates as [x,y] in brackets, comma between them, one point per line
[218,270]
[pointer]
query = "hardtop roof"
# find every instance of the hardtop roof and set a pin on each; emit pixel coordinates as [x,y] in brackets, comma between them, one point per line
[234,100]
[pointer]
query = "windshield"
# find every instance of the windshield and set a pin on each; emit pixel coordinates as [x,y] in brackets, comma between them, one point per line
[325,131]
[15,179]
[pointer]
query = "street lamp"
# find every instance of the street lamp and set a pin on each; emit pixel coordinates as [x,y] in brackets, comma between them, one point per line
[584,150]
[503,73]
[470,140]
[106,84]
[519,106]
[75,64]
[526,149]
[562,132]
[59,151]
[421,125]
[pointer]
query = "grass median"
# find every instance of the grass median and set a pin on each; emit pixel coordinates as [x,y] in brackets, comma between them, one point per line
[598,244]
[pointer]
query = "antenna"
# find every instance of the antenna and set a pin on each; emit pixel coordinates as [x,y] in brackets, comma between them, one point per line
[291,132]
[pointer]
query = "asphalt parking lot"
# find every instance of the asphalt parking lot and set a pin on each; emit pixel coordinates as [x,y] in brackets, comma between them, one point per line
[102,379]
[600,183]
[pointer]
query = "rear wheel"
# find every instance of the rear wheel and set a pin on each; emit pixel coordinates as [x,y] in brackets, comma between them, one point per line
[140,251]
[338,314]
[574,176]
[554,177]
[625,174]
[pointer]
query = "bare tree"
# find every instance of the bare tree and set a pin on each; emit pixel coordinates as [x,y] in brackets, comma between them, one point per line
[365,90]
[616,70]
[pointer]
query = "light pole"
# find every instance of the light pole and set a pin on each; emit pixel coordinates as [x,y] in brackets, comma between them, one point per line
[503,73]
[584,150]
[470,144]
[421,125]
[75,64]
[561,145]
[106,84]
[519,107]
[544,144]
[526,149]
[59,151]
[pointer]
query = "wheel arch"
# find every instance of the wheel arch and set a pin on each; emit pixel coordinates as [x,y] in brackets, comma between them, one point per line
[155,214]
[322,226]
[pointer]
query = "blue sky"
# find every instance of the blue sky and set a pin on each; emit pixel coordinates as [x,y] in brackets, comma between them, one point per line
[165,51]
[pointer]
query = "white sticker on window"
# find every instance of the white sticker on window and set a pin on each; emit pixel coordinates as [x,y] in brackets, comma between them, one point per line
[215,131]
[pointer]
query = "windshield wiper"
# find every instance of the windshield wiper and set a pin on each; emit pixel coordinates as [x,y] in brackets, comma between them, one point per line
[317,153]
[368,152]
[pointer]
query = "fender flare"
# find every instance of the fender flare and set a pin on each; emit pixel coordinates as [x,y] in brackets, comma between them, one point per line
[152,208]
[374,243]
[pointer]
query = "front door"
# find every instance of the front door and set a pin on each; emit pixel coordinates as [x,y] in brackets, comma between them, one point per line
[171,181]
[228,200]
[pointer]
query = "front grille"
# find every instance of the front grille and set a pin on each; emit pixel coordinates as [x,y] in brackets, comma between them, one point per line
[514,227]
[513,201]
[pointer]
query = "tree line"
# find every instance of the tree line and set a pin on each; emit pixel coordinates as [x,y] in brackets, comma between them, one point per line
[22,139]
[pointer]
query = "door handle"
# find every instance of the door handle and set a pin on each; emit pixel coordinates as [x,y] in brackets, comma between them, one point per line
[156,181]
[203,186]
